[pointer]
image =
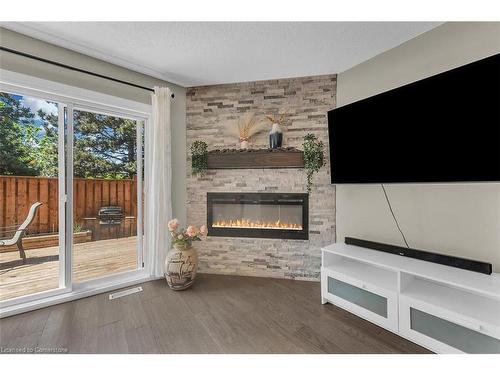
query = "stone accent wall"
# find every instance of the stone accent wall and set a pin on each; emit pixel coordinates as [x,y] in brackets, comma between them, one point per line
[210,111]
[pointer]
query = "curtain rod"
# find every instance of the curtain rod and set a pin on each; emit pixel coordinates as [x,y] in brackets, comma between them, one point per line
[74,68]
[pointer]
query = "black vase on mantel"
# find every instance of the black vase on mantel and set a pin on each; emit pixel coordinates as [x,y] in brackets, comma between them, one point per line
[275,136]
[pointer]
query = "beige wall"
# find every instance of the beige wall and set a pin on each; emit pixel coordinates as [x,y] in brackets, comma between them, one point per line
[42,70]
[458,219]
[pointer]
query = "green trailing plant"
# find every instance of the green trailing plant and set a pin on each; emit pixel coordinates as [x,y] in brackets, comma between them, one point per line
[77,227]
[314,157]
[199,158]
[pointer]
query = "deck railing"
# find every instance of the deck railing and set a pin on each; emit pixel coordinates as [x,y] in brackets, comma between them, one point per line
[18,193]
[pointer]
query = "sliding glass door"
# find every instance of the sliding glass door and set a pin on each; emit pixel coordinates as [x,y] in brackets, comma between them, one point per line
[32,180]
[107,179]
[71,195]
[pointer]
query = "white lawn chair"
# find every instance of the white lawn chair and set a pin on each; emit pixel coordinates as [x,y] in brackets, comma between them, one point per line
[18,236]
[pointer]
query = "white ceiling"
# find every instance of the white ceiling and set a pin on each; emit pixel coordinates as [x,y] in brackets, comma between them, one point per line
[204,53]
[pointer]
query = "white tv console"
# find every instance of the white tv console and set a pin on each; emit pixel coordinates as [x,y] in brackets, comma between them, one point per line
[442,308]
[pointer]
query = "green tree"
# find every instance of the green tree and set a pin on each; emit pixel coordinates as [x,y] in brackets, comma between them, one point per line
[105,146]
[17,137]
[45,151]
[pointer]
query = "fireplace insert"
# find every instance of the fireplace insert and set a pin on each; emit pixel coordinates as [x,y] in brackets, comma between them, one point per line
[260,215]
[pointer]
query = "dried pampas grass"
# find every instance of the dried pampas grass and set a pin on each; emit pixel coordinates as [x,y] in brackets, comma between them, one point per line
[277,119]
[246,127]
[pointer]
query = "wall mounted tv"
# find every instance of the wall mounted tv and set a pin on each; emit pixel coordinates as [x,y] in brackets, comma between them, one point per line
[445,128]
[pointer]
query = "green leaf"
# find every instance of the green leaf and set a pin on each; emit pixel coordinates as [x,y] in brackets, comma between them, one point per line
[199,158]
[313,157]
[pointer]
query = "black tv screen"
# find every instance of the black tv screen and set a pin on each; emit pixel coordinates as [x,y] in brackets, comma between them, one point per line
[445,128]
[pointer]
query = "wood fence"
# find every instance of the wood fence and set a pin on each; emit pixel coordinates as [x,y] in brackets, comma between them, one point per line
[18,193]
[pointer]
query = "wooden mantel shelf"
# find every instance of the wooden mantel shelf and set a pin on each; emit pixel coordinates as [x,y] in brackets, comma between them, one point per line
[255,158]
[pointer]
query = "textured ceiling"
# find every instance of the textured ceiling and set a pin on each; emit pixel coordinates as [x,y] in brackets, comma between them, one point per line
[204,53]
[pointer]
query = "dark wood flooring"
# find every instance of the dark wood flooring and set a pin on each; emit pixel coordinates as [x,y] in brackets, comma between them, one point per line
[219,314]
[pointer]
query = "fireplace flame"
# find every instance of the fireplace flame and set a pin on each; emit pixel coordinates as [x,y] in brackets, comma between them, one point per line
[250,224]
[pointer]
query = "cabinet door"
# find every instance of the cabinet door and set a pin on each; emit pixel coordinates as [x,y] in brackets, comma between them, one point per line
[430,328]
[368,301]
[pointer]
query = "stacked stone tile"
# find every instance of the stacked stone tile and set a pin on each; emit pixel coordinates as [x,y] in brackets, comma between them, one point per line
[210,110]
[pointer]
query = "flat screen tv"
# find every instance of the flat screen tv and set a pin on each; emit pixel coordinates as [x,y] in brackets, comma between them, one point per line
[445,128]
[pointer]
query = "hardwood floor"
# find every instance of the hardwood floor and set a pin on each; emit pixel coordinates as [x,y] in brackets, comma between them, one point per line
[219,314]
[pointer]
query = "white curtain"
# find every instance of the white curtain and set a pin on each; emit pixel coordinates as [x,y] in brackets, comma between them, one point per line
[158,180]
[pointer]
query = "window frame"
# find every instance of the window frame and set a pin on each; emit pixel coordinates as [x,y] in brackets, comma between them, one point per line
[74,98]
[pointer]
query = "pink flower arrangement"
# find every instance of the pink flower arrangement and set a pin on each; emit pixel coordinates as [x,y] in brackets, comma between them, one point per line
[185,236]
[173,225]
[191,231]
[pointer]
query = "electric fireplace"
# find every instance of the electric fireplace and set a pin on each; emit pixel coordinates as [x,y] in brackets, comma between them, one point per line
[260,215]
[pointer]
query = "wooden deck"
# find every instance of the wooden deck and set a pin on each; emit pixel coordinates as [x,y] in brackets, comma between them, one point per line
[41,271]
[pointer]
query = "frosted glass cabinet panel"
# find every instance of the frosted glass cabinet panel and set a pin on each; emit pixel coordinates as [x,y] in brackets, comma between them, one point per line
[370,301]
[464,339]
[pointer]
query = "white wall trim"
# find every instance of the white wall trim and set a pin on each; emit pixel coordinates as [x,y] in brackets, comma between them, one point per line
[57,41]
[60,92]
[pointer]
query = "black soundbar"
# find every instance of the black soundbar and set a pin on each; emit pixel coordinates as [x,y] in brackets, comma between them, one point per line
[447,260]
